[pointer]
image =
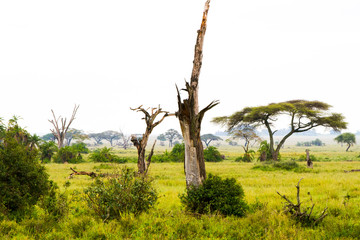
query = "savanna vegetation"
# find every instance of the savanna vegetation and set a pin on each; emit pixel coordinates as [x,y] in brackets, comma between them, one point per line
[68,191]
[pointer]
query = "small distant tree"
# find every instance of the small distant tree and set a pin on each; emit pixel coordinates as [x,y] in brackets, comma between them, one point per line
[141,142]
[125,140]
[208,138]
[97,137]
[172,135]
[162,139]
[48,137]
[76,134]
[304,116]
[111,136]
[60,131]
[348,138]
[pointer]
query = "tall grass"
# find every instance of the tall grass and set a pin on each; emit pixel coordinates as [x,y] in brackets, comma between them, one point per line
[329,186]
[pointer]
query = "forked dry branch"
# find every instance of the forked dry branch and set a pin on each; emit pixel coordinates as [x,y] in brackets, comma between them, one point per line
[304,217]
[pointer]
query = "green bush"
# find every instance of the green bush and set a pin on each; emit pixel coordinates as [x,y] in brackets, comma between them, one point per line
[216,195]
[68,154]
[247,157]
[55,204]
[80,147]
[104,155]
[265,147]
[118,196]
[22,179]
[177,154]
[47,150]
[282,165]
[212,154]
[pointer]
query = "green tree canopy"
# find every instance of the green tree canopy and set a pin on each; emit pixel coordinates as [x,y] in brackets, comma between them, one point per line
[208,138]
[348,138]
[304,115]
[171,135]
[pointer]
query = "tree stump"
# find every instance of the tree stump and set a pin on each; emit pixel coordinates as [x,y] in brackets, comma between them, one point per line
[309,163]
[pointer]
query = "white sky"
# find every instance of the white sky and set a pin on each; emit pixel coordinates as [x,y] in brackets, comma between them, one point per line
[108,56]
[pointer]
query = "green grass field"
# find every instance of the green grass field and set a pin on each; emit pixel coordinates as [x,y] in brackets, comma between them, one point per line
[328,184]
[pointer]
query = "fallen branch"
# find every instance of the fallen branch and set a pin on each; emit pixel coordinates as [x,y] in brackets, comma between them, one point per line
[91,174]
[353,170]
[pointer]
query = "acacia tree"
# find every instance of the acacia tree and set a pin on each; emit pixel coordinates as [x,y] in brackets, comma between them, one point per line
[246,133]
[208,138]
[73,133]
[141,142]
[97,137]
[60,131]
[171,135]
[348,138]
[190,117]
[304,115]
[110,136]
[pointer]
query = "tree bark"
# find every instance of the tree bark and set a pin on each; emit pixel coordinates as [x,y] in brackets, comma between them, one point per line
[190,117]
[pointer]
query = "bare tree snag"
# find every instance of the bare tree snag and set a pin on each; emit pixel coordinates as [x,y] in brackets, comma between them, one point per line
[140,143]
[190,117]
[59,131]
[304,216]
[309,163]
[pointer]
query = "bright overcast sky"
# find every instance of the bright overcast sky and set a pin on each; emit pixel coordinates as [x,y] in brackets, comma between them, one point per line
[109,56]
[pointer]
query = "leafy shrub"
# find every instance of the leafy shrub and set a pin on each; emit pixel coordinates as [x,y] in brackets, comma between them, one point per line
[55,203]
[265,147]
[216,195]
[22,179]
[80,147]
[47,150]
[68,154]
[125,194]
[104,155]
[303,158]
[177,154]
[282,165]
[212,154]
[247,157]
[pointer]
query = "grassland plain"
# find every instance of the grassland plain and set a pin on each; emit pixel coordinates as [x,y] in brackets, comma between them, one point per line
[328,184]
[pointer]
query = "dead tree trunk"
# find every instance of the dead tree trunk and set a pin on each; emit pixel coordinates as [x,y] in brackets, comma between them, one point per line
[140,143]
[309,163]
[59,132]
[189,116]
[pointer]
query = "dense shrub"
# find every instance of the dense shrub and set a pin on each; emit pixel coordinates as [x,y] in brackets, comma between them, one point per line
[216,195]
[125,194]
[80,147]
[47,150]
[247,157]
[177,154]
[212,154]
[22,179]
[55,204]
[104,155]
[282,165]
[68,154]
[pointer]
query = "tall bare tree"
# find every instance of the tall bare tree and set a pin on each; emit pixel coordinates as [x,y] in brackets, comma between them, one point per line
[190,117]
[61,126]
[141,142]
